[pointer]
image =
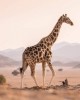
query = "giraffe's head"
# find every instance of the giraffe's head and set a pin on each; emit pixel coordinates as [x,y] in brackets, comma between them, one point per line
[66,19]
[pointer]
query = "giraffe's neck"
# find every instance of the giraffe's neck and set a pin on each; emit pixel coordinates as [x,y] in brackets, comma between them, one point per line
[54,34]
[51,38]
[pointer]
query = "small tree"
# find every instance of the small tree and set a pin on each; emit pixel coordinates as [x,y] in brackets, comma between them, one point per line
[2,79]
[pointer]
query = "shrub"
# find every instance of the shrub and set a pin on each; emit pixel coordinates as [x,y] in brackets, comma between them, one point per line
[60,69]
[2,79]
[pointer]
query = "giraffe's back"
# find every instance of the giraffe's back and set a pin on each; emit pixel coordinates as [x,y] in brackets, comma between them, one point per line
[37,53]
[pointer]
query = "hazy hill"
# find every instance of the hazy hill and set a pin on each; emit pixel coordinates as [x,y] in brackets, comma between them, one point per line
[77,66]
[7,62]
[15,54]
[74,64]
[64,54]
[67,52]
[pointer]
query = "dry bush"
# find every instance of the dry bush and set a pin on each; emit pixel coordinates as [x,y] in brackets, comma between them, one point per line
[2,80]
[60,69]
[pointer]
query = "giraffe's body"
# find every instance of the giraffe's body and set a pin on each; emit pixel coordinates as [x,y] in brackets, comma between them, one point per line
[41,52]
[37,53]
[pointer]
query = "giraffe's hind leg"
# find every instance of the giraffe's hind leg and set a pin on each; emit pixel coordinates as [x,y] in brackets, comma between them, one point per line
[22,70]
[33,73]
[52,70]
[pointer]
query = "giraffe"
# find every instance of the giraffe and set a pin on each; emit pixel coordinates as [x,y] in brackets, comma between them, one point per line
[41,52]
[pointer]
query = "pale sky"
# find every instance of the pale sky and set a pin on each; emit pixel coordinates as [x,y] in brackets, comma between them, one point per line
[24,22]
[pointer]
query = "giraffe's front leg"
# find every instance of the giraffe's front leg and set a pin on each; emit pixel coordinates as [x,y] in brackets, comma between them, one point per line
[52,70]
[33,74]
[43,72]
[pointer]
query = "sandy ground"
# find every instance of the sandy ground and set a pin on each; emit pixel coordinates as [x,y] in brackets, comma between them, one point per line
[12,91]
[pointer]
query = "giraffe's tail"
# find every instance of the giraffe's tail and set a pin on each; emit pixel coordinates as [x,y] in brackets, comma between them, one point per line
[16,72]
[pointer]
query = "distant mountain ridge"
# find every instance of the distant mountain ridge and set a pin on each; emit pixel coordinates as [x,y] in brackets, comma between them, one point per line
[64,54]
[69,50]
[15,54]
[8,62]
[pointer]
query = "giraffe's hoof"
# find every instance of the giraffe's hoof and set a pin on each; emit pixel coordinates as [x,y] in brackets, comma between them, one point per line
[43,87]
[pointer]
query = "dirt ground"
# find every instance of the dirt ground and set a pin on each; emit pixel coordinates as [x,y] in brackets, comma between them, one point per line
[12,91]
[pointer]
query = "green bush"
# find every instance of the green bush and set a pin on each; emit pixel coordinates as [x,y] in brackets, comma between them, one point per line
[2,79]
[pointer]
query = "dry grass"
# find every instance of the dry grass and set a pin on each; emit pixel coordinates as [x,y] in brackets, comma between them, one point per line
[56,91]
[37,93]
